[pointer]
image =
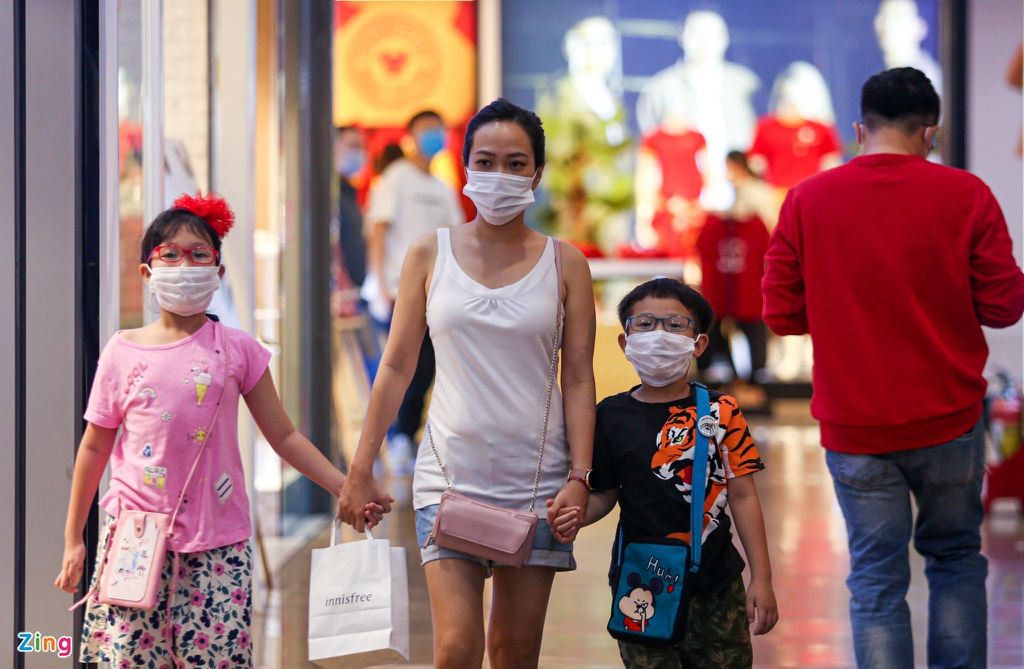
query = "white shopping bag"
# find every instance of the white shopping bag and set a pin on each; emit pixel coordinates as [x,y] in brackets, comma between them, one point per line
[358,604]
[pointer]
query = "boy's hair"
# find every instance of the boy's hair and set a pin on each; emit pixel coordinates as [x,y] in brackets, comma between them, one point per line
[167,224]
[902,98]
[695,303]
[421,115]
[503,110]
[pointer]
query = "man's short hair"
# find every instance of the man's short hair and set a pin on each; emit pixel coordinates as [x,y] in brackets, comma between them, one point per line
[698,305]
[902,97]
[419,116]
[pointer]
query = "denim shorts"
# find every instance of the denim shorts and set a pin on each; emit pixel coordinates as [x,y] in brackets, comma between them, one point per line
[547,551]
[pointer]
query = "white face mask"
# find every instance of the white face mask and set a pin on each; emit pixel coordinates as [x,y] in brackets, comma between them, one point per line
[659,358]
[498,197]
[185,291]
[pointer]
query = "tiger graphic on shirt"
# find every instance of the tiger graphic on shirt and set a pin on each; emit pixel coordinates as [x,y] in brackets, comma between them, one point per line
[731,446]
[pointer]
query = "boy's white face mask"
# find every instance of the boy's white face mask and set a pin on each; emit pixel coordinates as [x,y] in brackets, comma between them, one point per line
[659,358]
[185,291]
[498,197]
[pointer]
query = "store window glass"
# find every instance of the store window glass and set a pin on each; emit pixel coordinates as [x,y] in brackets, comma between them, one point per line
[665,120]
[130,175]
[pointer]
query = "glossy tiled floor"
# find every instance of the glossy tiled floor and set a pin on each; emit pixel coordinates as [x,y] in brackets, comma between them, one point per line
[809,557]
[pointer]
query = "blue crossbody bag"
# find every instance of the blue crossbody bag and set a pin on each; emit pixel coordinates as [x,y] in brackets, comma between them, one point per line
[654,577]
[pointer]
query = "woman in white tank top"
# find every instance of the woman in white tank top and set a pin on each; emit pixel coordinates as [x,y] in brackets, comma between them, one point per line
[488,290]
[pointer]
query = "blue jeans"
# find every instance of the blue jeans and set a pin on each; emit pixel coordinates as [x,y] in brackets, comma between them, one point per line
[874,493]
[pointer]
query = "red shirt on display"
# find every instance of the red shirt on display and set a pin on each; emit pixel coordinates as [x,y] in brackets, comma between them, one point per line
[892,264]
[732,264]
[793,152]
[677,155]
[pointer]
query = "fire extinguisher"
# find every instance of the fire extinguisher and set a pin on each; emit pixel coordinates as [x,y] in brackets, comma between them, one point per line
[1006,417]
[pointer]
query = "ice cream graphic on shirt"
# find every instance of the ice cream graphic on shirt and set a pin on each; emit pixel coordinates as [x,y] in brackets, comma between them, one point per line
[202,379]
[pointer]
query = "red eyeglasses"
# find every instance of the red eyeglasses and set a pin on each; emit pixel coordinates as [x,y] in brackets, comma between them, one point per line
[201,255]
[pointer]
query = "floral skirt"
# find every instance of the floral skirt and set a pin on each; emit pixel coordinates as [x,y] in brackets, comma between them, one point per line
[211,612]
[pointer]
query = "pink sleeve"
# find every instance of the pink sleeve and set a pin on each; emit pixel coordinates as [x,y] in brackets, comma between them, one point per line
[251,359]
[105,406]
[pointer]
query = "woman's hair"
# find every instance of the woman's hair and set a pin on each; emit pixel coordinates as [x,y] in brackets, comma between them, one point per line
[739,159]
[503,110]
[168,223]
[389,154]
[695,303]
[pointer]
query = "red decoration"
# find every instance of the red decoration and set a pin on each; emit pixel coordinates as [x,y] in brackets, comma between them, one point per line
[212,208]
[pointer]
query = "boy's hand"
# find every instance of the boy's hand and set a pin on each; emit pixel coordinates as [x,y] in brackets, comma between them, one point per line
[762,609]
[572,494]
[567,524]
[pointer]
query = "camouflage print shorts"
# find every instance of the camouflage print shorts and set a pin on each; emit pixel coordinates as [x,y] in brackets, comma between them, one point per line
[717,636]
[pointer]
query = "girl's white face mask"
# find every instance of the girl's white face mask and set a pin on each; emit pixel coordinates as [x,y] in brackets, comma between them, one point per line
[185,291]
[499,197]
[659,358]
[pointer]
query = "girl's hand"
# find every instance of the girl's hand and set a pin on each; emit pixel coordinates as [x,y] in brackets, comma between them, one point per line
[361,491]
[567,524]
[762,609]
[72,566]
[375,513]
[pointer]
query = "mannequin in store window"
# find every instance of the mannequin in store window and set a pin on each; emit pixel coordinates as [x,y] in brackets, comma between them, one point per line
[798,137]
[588,171]
[901,30]
[713,93]
[669,178]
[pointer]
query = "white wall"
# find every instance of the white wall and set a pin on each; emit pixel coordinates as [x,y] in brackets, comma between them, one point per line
[994,111]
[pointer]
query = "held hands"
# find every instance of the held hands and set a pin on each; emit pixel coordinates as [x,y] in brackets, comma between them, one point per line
[362,502]
[568,523]
[72,566]
[762,609]
[570,503]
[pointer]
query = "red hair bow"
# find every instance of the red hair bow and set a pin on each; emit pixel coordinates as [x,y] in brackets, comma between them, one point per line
[212,208]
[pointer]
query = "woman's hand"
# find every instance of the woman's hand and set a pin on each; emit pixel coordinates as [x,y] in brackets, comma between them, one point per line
[359,497]
[72,566]
[572,494]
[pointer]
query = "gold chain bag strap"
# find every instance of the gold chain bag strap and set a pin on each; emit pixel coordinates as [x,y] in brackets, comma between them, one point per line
[495,533]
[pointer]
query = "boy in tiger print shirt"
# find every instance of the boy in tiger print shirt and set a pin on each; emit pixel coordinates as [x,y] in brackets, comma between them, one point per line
[643,460]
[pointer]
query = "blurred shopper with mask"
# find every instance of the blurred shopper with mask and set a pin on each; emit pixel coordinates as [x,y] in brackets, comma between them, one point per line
[349,160]
[408,202]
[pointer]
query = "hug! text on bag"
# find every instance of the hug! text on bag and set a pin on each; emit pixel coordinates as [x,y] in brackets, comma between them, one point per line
[358,604]
[655,577]
[492,532]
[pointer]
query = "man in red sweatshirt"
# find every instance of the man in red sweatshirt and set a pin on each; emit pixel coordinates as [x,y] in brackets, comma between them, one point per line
[892,264]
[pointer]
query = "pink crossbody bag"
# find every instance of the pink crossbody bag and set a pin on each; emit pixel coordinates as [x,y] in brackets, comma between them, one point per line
[495,533]
[133,558]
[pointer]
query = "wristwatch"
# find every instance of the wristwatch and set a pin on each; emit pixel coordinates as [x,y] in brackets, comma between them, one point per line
[581,475]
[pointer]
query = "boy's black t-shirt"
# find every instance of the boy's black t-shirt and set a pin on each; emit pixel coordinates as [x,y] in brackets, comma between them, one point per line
[646,451]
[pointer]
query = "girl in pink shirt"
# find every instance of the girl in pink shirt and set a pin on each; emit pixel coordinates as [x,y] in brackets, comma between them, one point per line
[160,385]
